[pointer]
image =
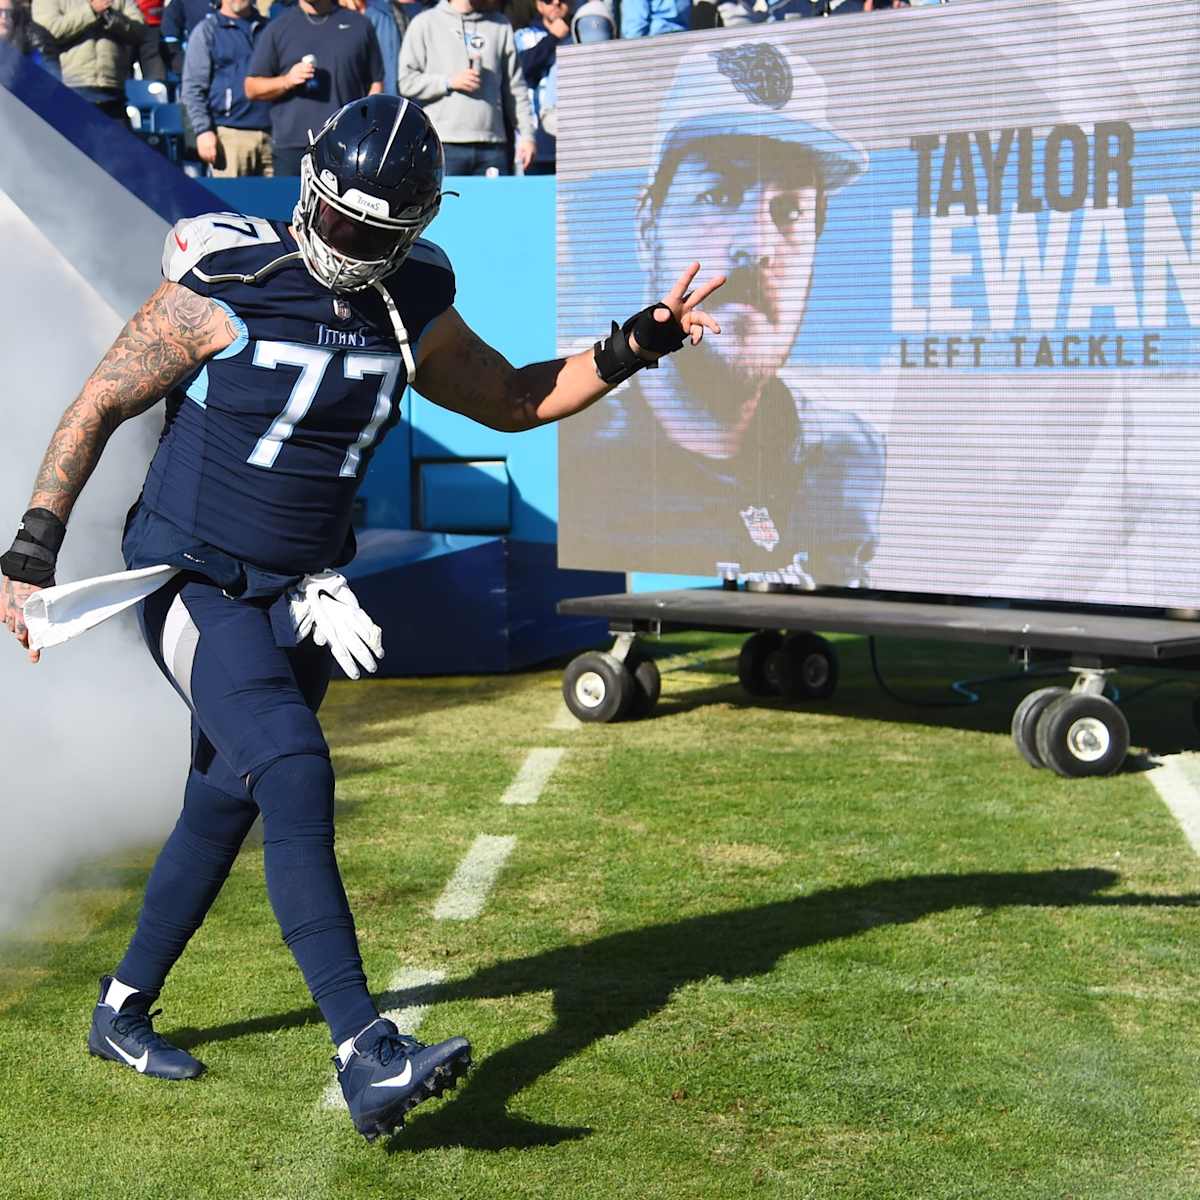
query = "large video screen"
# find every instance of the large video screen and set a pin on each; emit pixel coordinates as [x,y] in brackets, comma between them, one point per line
[960,346]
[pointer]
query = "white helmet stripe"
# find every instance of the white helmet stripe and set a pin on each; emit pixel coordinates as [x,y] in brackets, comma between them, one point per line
[395,130]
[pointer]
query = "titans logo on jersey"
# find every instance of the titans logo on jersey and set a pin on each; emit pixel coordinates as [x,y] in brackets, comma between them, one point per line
[264,447]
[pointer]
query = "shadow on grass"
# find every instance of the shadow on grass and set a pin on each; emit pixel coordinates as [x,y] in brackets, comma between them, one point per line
[604,987]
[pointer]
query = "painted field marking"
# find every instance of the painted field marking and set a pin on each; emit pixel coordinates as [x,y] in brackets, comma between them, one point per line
[411,991]
[1178,787]
[467,891]
[533,776]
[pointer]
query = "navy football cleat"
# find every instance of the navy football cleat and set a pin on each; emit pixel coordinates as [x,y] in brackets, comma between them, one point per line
[387,1074]
[128,1037]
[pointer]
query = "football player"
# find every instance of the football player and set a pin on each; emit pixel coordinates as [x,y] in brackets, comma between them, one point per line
[282,351]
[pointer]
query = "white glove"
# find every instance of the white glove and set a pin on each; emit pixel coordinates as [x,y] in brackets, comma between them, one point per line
[324,606]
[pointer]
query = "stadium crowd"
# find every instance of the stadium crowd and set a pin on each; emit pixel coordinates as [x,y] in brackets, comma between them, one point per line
[239,83]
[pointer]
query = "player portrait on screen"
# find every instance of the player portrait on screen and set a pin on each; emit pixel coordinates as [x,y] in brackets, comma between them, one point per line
[746,468]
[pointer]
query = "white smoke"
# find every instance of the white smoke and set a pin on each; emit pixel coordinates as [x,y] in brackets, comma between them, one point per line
[93,742]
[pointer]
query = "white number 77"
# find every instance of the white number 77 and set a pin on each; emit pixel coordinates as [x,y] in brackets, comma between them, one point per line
[313,363]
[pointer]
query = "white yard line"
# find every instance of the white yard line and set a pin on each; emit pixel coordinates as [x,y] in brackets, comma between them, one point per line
[533,776]
[467,891]
[410,989]
[1179,788]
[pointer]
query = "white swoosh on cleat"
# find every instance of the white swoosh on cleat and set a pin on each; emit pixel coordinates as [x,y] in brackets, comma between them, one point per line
[139,1064]
[397,1080]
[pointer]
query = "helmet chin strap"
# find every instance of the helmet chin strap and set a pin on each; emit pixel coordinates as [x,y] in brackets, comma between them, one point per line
[406,353]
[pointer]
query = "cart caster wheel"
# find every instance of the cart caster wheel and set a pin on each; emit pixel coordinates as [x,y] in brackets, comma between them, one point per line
[804,667]
[756,649]
[597,687]
[1081,735]
[1025,721]
[647,684]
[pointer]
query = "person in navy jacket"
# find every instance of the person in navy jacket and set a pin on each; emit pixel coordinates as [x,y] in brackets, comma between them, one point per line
[232,133]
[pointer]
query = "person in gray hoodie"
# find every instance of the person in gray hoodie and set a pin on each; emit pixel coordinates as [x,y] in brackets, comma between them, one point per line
[460,63]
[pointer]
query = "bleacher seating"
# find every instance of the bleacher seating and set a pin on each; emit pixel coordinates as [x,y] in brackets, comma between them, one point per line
[142,96]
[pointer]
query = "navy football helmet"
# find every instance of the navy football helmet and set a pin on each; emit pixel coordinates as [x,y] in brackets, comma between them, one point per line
[370,182]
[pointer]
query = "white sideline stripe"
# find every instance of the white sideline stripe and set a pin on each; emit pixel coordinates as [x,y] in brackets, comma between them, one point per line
[468,888]
[1179,793]
[533,776]
[412,988]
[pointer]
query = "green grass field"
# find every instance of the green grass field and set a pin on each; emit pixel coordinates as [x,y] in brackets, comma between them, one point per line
[852,950]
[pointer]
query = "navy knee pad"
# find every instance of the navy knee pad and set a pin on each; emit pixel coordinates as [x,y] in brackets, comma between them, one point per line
[295,796]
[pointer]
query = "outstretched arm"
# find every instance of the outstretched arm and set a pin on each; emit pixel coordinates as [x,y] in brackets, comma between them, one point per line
[167,338]
[460,371]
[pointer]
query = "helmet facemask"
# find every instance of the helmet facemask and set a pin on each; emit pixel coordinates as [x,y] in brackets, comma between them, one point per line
[350,242]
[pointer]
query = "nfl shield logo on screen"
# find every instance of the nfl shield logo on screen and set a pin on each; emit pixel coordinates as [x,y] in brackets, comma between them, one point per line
[341,310]
[760,527]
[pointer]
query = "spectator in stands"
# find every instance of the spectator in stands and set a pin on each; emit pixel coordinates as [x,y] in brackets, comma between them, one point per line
[149,53]
[97,39]
[232,133]
[537,47]
[748,12]
[593,22]
[461,65]
[26,37]
[308,62]
[387,33]
[640,18]
[404,11]
[179,18]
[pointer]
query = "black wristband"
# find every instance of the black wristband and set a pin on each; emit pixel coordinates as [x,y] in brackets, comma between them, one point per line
[34,552]
[616,361]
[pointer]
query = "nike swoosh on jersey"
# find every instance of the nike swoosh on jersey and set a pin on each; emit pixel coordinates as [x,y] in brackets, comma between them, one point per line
[400,1080]
[138,1064]
[180,242]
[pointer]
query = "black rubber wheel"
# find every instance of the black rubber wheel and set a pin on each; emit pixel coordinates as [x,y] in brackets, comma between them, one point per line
[756,649]
[597,687]
[647,684]
[1079,735]
[804,667]
[1025,720]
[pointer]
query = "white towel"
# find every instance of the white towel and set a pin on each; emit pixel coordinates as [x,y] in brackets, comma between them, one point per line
[56,614]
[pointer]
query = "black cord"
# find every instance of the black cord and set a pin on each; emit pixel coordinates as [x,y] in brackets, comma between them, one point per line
[962,686]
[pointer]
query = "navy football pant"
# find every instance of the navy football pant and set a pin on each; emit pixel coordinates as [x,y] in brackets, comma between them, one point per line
[256,747]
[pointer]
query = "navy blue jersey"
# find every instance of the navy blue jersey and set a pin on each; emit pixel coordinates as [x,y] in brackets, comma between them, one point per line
[798,504]
[265,445]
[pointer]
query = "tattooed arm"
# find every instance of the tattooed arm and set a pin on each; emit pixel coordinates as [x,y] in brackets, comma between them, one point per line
[460,371]
[168,337]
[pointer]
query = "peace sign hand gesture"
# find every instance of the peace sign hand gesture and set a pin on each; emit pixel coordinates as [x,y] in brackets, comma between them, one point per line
[682,305]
